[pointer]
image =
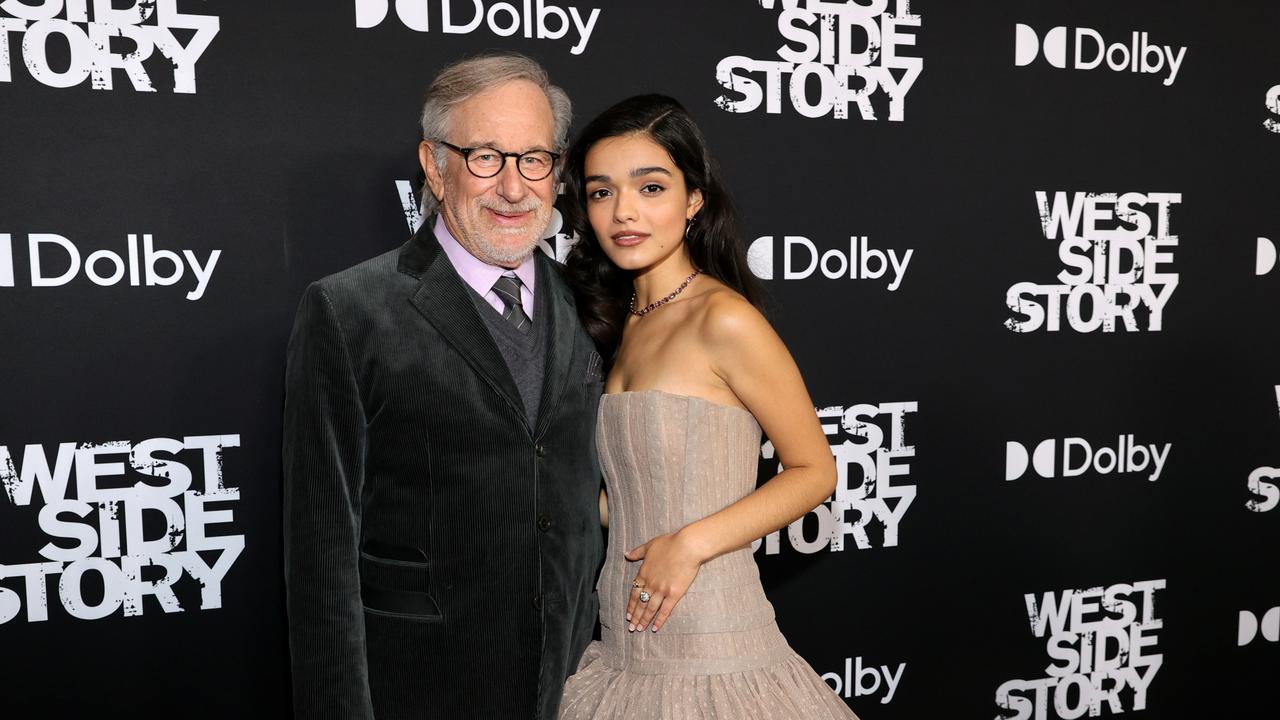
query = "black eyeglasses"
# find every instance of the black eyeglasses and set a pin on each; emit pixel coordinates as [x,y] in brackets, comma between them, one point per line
[485,162]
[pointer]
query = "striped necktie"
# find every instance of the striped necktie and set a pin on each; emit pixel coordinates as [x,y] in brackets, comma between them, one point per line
[508,290]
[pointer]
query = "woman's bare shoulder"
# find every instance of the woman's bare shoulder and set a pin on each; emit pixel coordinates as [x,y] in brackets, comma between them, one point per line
[727,319]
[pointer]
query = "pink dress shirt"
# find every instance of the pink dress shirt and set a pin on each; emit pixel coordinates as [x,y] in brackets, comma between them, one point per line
[480,275]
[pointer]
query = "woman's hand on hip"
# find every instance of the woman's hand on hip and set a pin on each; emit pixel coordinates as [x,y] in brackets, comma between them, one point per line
[668,565]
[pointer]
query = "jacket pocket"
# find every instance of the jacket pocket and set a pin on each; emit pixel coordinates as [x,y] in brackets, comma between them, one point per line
[398,587]
[595,369]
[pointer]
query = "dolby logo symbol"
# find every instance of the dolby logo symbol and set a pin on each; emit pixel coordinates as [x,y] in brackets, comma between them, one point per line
[1266,256]
[801,258]
[1078,457]
[1136,55]
[1250,627]
[539,19]
[53,261]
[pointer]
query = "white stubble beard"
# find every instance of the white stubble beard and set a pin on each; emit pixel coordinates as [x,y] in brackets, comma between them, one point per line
[505,253]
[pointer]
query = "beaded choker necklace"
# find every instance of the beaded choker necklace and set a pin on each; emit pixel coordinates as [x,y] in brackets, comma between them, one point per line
[659,303]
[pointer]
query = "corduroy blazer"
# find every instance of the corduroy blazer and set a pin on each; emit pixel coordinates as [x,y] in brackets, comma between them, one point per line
[440,553]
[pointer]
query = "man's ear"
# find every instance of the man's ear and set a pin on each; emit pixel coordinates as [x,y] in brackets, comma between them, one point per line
[427,158]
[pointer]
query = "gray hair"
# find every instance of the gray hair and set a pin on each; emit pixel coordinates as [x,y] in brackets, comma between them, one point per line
[465,79]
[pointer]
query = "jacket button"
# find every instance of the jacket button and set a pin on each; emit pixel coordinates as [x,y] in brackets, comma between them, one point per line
[544,522]
[540,450]
[537,602]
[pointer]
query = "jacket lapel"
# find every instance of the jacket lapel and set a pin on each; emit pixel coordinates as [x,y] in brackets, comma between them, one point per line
[560,341]
[441,297]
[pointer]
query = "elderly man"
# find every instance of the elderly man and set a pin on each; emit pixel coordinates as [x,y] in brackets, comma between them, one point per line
[442,528]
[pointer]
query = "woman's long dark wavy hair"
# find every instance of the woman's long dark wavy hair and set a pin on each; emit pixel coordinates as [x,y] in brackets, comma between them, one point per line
[603,291]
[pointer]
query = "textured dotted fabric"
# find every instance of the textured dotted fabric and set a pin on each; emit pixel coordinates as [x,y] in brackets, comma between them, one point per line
[669,460]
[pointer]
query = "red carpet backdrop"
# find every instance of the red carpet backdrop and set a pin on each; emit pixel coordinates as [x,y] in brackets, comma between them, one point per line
[1024,253]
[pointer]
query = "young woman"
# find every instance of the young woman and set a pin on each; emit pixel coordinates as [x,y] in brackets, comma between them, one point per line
[695,373]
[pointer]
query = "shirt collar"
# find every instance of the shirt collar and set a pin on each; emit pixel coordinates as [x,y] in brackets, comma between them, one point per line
[477,273]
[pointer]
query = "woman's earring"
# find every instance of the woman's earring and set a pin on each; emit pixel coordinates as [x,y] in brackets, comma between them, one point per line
[688,224]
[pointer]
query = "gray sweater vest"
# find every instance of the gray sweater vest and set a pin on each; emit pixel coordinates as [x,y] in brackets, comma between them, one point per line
[524,350]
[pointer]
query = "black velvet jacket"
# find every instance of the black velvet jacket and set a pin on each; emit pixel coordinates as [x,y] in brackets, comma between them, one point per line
[440,553]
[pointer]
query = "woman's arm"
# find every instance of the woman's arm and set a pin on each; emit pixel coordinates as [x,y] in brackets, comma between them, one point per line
[749,357]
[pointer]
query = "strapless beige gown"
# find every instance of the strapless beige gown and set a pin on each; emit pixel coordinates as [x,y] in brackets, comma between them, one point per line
[669,460]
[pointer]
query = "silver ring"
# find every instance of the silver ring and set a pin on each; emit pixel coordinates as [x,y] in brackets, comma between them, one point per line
[636,584]
[644,596]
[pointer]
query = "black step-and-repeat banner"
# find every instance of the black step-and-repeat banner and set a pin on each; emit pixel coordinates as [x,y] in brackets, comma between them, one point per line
[1024,253]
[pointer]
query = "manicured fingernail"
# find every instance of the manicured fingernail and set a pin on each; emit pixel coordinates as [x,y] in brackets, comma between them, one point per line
[628,617]
[655,628]
[631,628]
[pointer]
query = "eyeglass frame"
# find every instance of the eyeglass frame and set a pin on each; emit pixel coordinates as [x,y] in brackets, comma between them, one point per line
[465,152]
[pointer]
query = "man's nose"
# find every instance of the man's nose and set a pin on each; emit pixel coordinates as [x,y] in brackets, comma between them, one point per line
[511,184]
